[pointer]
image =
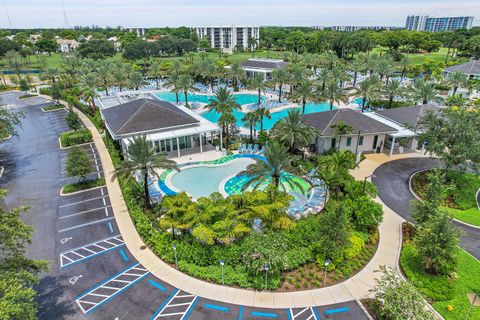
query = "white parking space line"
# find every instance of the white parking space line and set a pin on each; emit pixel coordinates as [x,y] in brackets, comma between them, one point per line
[67,258]
[89,300]
[310,314]
[186,306]
[86,200]
[85,224]
[83,212]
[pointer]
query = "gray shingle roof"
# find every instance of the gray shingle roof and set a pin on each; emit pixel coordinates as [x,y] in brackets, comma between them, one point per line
[264,64]
[145,115]
[408,116]
[323,121]
[471,67]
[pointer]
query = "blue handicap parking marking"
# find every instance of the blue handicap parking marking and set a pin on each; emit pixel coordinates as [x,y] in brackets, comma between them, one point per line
[124,255]
[315,312]
[240,313]
[215,307]
[110,227]
[339,310]
[156,285]
[264,314]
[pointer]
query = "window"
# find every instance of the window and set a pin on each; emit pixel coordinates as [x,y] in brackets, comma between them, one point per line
[332,145]
[360,141]
[157,146]
[349,141]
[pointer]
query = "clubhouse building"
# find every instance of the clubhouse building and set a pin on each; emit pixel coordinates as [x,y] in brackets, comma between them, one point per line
[175,130]
[262,67]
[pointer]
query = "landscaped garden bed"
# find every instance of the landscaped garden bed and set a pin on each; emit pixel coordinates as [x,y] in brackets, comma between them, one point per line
[461,191]
[71,138]
[83,185]
[446,293]
[53,107]
[25,96]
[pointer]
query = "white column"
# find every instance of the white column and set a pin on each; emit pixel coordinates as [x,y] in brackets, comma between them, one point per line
[221,140]
[201,147]
[178,147]
[392,146]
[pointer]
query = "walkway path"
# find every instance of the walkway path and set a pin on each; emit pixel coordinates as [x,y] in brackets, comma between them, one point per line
[354,288]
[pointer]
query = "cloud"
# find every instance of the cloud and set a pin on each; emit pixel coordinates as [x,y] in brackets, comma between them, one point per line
[150,13]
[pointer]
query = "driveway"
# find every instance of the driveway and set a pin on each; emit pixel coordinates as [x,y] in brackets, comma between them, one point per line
[392,180]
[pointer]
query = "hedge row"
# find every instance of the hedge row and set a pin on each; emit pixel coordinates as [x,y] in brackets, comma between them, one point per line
[71,138]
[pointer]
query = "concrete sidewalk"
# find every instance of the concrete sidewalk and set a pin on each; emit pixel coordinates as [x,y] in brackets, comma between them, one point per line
[354,288]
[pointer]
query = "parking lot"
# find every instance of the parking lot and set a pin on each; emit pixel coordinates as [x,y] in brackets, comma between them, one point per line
[92,273]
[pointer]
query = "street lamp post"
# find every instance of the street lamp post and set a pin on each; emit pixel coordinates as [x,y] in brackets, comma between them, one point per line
[325,263]
[222,263]
[265,267]
[175,251]
[365,182]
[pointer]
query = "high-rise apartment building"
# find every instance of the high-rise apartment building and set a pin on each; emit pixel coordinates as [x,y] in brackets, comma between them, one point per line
[435,24]
[231,38]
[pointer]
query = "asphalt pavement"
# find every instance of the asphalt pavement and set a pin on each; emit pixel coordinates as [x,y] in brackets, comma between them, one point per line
[392,181]
[92,273]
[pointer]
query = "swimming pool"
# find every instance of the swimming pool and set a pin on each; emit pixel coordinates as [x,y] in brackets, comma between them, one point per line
[241,98]
[267,123]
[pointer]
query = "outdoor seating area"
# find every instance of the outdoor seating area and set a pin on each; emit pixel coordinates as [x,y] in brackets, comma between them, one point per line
[248,149]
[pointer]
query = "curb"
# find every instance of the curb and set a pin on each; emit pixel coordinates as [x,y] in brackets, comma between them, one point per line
[79,191]
[75,145]
[53,110]
[418,198]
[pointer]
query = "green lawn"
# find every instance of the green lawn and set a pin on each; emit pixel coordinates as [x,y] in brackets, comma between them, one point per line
[416,58]
[433,287]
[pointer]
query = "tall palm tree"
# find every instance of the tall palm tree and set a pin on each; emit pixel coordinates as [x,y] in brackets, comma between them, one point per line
[457,79]
[340,74]
[250,120]
[252,44]
[424,91]
[51,74]
[292,131]
[280,77]
[403,66]
[263,113]
[208,71]
[120,75]
[142,159]
[357,66]
[276,169]
[227,120]
[298,74]
[155,71]
[384,67]
[339,130]
[135,80]
[87,85]
[368,90]
[172,82]
[393,89]
[324,76]
[334,94]
[257,84]
[305,92]
[223,103]
[236,73]
[186,85]
[104,73]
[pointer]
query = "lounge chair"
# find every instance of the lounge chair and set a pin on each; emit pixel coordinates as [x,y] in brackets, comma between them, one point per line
[260,151]
[242,148]
[255,149]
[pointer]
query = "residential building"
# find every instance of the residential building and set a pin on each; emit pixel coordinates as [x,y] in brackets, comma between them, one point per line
[263,67]
[368,135]
[356,28]
[470,68]
[139,31]
[175,130]
[436,24]
[228,39]
[116,42]
[67,45]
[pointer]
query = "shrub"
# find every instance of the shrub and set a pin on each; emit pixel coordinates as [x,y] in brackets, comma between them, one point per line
[78,163]
[73,120]
[68,139]
[83,185]
[356,246]
[365,213]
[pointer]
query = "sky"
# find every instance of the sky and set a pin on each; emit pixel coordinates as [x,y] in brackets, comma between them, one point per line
[160,13]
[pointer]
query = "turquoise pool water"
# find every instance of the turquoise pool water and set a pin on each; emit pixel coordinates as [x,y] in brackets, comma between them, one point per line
[267,123]
[204,180]
[241,98]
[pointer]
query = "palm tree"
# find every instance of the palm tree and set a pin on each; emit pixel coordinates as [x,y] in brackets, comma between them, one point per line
[292,131]
[208,71]
[257,83]
[51,74]
[305,92]
[120,75]
[424,91]
[324,76]
[173,83]
[88,83]
[457,79]
[339,130]
[280,77]
[334,94]
[368,90]
[339,74]
[384,67]
[298,74]
[392,90]
[223,103]
[142,159]
[227,120]
[276,169]
[357,65]
[404,64]
[250,120]
[186,84]
[155,71]
[104,73]
[263,113]
[236,73]
[252,44]
[135,80]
